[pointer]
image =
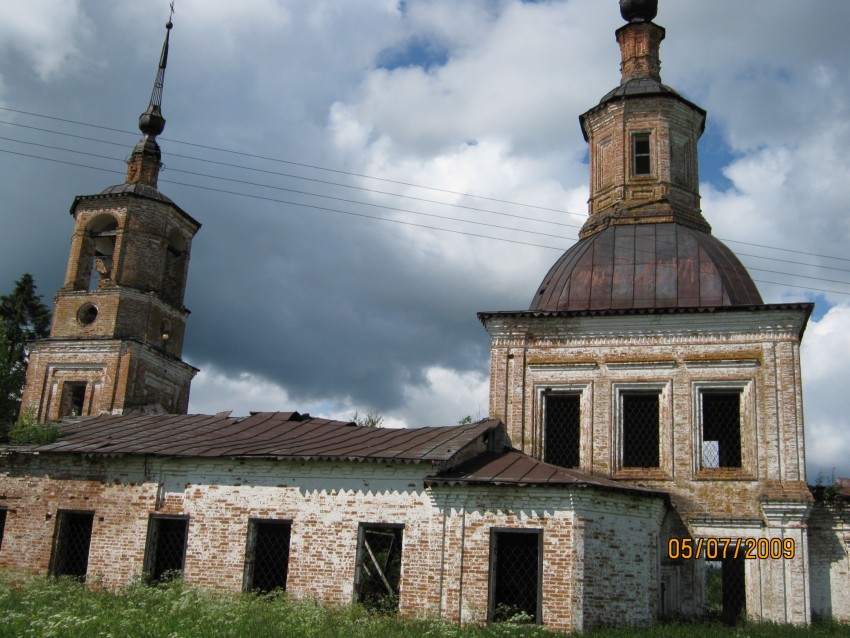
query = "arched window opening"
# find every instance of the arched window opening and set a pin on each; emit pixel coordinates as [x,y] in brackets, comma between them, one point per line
[94,268]
[176,255]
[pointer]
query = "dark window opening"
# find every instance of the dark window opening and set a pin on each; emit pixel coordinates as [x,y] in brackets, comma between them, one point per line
[2,525]
[721,429]
[641,164]
[71,542]
[640,429]
[166,548]
[726,596]
[267,555]
[378,570]
[562,429]
[73,399]
[515,584]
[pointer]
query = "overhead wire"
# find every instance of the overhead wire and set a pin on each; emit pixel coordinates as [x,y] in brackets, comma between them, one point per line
[322,168]
[394,208]
[395,221]
[371,204]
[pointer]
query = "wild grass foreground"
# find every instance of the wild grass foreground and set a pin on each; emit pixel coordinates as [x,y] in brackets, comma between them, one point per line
[47,607]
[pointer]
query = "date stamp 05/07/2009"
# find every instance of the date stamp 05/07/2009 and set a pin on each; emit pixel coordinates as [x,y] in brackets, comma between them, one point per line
[720,548]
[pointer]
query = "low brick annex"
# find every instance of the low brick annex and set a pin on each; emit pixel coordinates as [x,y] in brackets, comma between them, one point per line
[453,492]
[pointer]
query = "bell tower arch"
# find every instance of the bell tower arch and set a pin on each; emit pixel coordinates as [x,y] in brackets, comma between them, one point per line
[119,322]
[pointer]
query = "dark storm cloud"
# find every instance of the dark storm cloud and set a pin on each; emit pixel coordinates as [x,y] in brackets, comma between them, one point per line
[349,312]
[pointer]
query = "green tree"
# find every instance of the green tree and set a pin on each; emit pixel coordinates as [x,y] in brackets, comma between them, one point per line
[23,319]
[12,377]
[369,420]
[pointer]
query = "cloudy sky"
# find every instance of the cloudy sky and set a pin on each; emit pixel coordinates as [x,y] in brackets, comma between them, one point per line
[330,146]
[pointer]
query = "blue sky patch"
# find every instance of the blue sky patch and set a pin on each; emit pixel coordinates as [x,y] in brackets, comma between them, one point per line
[714,155]
[417,51]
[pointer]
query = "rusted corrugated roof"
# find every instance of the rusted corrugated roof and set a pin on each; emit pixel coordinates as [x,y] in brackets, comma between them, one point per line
[263,434]
[513,467]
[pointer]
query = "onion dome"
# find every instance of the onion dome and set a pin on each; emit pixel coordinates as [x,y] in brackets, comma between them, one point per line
[635,266]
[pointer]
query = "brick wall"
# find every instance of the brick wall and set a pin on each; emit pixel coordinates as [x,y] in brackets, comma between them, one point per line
[598,542]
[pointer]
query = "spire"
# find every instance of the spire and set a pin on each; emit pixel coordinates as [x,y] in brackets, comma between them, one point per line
[145,162]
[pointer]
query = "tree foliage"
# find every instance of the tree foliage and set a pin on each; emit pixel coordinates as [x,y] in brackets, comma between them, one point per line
[368,420]
[23,319]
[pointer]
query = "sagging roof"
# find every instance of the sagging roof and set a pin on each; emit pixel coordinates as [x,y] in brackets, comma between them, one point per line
[513,467]
[285,435]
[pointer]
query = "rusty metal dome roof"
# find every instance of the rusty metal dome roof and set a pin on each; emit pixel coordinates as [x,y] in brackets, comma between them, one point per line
[664,265]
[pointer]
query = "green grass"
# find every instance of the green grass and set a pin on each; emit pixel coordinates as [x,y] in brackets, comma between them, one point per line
[46,607]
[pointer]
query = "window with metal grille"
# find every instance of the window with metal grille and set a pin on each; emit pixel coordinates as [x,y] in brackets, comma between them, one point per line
[166,547]
[641,157]
[71,542]
[562,429]
[721,429]
[640,424]
[515,576]
[725,591]
[2,525]
[267,555]
[378,569]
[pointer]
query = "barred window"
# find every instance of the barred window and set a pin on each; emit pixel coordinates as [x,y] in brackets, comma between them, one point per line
[562,429]
[166,547]
[639,423]
[721,428]
[267,555]
[71,542]
[515,583]
[378,569]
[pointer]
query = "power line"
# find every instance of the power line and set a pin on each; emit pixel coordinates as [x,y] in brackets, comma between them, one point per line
[385,219]
[299,192]
[315,167]
[277,173]
[413,212]
[282,161]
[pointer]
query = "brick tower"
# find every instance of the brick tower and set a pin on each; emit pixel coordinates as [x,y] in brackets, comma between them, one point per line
[648,356]
[119,321]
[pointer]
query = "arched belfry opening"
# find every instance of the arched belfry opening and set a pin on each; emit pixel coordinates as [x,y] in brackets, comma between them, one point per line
[96,260]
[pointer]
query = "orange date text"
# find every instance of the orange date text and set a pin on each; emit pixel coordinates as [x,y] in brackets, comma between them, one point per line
[720,548]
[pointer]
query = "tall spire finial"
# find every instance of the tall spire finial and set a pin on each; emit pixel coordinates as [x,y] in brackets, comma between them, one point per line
[144,164]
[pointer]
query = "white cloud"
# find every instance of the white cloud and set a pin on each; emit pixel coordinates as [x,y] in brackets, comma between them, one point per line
[214,391]
[48,34]
[825,359]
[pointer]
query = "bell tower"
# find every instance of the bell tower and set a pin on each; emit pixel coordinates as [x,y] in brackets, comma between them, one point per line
[118,326]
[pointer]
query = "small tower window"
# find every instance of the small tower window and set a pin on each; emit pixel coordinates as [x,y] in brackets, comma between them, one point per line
[73,399]
[641,157]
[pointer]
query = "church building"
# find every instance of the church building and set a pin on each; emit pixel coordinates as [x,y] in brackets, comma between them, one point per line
[644,446]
